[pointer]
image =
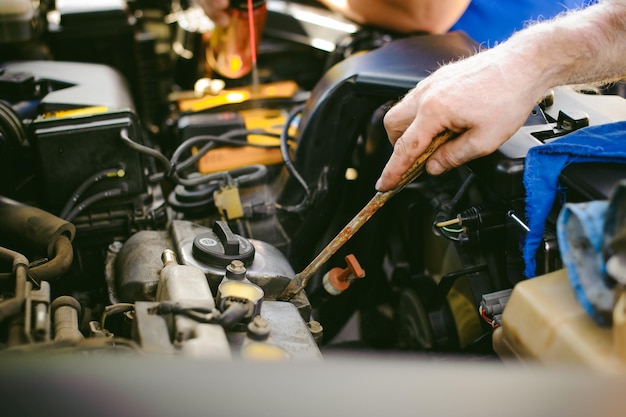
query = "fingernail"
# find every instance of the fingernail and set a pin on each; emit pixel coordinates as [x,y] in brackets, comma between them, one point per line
[378,182]
[433,167]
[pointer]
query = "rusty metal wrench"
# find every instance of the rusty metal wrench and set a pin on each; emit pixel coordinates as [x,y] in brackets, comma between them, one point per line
[300,280]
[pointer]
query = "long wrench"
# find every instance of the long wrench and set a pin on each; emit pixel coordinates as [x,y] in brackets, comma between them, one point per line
[380,198]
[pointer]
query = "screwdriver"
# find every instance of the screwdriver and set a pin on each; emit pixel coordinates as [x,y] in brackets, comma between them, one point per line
[301,279]
[255,67]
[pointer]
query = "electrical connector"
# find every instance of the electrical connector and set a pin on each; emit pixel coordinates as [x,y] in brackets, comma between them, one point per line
[492,306]
[228,202]
[470,224]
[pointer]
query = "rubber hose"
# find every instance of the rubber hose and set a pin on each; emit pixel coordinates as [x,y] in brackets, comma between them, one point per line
[31,227]
[57,266]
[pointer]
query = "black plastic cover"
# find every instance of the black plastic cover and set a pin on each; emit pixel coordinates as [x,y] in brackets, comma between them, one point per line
[16,85]
[340,107]
[70,150]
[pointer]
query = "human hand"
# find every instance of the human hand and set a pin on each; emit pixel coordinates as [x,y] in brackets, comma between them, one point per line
[484,99]
[215,10]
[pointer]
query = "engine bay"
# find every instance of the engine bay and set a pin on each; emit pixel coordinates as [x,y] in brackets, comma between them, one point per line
[151,206]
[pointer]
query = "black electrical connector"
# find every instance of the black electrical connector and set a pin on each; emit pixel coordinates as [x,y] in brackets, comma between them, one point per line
[229,318]
[471,224]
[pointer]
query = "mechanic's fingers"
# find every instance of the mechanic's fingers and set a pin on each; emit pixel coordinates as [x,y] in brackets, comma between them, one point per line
[397,120]
[216,11]
[401,116]
[405,151]
[466,147]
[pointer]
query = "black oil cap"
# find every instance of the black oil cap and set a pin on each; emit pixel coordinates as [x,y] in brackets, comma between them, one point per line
[221,246]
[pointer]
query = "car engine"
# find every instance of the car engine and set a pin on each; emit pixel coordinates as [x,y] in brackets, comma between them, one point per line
[151,206]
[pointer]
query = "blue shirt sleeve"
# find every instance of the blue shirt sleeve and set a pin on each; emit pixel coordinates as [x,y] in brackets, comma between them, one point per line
[490,22]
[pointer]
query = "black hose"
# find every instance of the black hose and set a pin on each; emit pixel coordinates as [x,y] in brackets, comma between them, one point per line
[93,199]
[462,190]
[224,176]
[284,150]
[97,177]
[225,139]
[174,166]
[248,174]
[145,150]
[208,142]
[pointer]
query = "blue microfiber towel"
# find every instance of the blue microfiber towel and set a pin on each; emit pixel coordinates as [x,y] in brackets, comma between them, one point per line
[580,230]
[544,163]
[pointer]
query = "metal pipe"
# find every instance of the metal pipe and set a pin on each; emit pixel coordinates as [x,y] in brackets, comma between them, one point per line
[11,307]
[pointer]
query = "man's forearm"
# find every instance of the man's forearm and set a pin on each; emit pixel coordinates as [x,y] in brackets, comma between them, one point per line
[434,16]
[583,47]
[586,46]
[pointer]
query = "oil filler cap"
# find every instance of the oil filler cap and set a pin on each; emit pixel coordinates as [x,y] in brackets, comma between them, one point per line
[221,246]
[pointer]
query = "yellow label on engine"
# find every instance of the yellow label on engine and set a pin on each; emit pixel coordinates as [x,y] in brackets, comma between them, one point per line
[226,158]
[279,89]
[83,111]
[270,120]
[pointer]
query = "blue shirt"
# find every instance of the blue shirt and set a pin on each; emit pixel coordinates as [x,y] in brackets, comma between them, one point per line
[489,22]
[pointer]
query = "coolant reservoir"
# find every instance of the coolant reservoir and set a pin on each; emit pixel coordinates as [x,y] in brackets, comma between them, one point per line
[543,322]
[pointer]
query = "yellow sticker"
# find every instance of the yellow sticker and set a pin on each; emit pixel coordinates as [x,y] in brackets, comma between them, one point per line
[83,111]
